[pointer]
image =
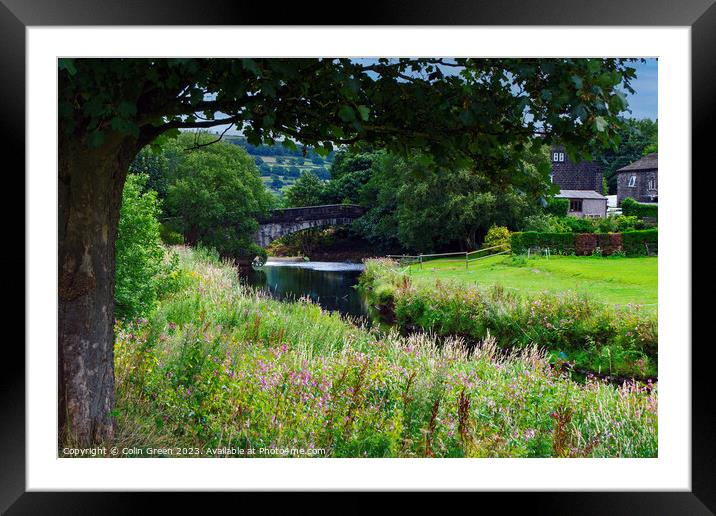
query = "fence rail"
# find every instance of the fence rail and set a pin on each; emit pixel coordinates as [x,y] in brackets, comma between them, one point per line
[466,257]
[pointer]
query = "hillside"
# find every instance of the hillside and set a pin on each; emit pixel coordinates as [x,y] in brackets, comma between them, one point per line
[280,166]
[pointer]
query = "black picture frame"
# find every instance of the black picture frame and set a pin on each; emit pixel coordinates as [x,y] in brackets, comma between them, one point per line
[17,15]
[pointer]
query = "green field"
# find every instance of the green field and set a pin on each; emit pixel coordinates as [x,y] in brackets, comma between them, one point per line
[616,281]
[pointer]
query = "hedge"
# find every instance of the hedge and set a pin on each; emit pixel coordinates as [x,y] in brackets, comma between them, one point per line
[631,207]
[633,241]
[630,242]
[562,243]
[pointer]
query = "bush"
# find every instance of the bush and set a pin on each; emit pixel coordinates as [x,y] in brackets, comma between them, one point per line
[635,242]
[544,223]
[632,208]
[497,236]
[561,243]
[557,206]
[139,250]
[580,225]
[169,236]
[620,340]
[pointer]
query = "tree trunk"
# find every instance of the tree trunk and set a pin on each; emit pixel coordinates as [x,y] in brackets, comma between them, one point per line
[90,194]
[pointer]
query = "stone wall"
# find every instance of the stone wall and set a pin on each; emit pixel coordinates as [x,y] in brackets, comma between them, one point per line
[575,176]
[640,192]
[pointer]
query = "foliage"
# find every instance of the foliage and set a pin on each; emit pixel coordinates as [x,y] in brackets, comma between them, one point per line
[306,191]
[141,272]
[633,208]
[618,224]
[557,206]
[170,237]
[573,325]
[155,165]
[220,366]
[444,115]
[544,223]
[558,243]
[498,237]
[635,242]
[424,208]
[636,138]
[216,196]
[566,243]
[579,224]
[336,243]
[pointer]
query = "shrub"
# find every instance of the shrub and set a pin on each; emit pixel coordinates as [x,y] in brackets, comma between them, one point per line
[635,242]
[562,243]
[557,206]
[499,237]
[139,250]
[632,208]
[580,225]
[544,223]
[169,236]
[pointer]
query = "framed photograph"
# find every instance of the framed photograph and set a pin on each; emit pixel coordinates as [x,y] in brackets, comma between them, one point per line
[416,253]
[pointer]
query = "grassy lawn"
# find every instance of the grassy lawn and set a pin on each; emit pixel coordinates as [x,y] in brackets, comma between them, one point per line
[611,280]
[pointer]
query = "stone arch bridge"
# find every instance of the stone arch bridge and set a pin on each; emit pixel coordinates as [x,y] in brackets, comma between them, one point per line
[290,220]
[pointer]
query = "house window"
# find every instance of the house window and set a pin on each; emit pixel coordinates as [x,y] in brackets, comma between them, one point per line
[555,156]
[652,183]
[575,205]
[632,181]
[561,156]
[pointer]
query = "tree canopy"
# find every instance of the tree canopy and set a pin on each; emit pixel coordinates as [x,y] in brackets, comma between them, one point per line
[395,103]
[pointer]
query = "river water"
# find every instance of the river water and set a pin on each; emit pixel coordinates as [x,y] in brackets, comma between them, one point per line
[329,284]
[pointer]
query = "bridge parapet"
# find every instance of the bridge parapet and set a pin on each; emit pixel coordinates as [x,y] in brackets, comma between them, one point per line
[326,211]
[290,220]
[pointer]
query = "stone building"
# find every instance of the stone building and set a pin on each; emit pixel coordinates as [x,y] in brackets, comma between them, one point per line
[584,203]
[580,183]
[574,176]
[639,180]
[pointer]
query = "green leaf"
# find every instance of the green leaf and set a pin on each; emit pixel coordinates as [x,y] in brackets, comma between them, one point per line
[364,112]
[346,114]
[577,81]
[600,123]
[67,65]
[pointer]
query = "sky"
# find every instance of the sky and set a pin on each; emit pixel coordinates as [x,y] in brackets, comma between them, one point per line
[643,103]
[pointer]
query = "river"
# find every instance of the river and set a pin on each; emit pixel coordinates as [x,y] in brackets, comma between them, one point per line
[329,284]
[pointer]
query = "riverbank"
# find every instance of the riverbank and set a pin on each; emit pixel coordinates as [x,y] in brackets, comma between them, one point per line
[611,280]
[573,328]
[220,366]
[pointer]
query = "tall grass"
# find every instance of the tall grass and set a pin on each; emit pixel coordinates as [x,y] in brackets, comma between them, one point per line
[593,335]
[220,365]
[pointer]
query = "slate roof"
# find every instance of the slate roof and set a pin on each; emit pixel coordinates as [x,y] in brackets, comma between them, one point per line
[648,162]
[580,194]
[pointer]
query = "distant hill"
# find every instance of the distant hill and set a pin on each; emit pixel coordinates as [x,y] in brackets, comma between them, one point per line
[280,166]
